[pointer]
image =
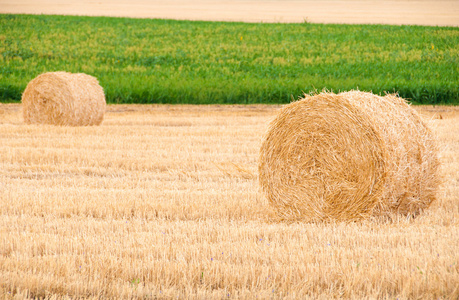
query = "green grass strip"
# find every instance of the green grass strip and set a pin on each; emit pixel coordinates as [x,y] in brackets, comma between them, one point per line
[166,61]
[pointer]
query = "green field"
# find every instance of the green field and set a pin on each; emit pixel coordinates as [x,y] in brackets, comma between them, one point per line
[165,61]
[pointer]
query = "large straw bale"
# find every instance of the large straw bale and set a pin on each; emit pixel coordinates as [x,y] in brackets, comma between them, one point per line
[348,156]
[62,98]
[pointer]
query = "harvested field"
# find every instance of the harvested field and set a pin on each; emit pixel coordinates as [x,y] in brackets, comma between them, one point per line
[163,201]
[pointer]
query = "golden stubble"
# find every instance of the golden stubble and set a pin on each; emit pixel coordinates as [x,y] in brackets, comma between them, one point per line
[163,201]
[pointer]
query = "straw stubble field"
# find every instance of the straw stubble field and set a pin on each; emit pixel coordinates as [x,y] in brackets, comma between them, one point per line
[163,201]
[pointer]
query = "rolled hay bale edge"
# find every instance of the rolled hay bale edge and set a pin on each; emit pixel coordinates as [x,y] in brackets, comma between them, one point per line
[348,156]
[62,98]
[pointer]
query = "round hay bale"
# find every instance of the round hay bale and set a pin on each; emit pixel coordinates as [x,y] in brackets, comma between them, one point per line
[348,156]
[62,98]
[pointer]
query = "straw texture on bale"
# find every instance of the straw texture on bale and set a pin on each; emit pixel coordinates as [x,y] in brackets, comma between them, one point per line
[62,98]
[348,156]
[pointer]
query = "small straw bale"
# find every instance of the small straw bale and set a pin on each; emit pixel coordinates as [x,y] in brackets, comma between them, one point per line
[348,156]
[61,98]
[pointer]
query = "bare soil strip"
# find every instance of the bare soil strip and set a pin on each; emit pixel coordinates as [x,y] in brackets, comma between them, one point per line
[405,12]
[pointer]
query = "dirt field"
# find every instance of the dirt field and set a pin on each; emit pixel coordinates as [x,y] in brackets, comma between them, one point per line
[163,202]
[421,12]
